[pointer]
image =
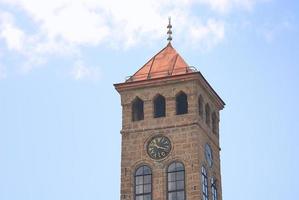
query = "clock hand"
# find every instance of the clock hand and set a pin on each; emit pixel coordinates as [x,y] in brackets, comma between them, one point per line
[159,147]
[163,148]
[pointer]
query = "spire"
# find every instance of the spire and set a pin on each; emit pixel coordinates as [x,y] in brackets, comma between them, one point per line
[169,32]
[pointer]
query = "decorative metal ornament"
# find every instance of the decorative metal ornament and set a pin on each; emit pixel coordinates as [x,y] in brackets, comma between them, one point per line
[169,32]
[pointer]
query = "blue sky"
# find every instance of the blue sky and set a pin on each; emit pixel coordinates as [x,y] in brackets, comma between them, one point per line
[60,116]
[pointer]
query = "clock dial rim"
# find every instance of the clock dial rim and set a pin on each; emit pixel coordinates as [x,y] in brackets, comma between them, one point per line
[167,153]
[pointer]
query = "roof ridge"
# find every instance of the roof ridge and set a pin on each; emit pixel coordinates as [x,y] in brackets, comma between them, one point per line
[176,58]
[149,71]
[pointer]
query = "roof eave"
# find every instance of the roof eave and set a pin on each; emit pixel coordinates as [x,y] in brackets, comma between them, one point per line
[180,77]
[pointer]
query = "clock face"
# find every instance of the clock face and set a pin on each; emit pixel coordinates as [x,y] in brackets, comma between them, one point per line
[158,147]
[209,155]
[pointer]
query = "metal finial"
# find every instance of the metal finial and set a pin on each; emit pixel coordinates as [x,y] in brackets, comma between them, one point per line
[169,32]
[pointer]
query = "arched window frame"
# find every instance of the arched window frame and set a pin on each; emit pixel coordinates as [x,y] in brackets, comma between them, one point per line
[208,114]
[143,183]
[214,189]
[214,123]
[200,106]
[137,109]
[204,182]
[181,100]
[159,106]
[176,178]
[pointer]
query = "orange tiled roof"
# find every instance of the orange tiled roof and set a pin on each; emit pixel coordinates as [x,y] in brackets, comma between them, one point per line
[165,63]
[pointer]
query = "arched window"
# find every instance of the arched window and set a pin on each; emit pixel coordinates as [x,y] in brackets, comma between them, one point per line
[143,183]
[214,189]
[159,106]
[176,181]
[137,109]
[204,182]
[208,114]
[181,103]
[200,106]
[214,123]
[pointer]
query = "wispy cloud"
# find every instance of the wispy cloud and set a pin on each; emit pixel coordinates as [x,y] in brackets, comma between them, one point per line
[82,72]
[271,31]
[225,6]
[3,73]
[213,29]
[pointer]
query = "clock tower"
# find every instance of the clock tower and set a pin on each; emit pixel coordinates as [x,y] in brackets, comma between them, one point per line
[170,132]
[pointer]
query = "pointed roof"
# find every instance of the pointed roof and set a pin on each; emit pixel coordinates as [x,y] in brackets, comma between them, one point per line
[164,64]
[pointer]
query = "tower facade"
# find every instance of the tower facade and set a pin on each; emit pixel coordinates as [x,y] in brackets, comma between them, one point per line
[170,132]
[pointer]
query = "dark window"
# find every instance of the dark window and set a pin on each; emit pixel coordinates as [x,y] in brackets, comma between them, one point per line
[176,181]
[159,106]
[181,103]
[208,114]
[200,106]
[214,189]
[143,183]
[137,110]
[214,123]
[204,182]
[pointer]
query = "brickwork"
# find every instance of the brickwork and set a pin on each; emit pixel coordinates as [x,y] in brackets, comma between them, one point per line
[188,134]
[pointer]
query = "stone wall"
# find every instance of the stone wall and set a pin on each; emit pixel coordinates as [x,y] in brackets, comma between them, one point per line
[188,134]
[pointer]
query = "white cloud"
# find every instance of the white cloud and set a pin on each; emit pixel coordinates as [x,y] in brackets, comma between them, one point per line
[62,27]
[114,22]
[82,72]
[12,35]
[35,47]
